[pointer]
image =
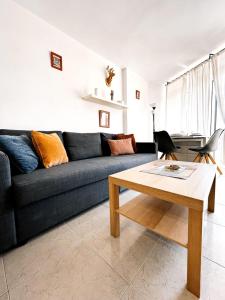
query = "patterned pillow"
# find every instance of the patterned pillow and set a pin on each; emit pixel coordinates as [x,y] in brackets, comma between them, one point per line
[20,152]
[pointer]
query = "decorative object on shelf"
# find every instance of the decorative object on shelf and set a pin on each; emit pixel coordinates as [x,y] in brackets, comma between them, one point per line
[138,94]
[153,106]
[96,92]
[104,118]
[56,61]
[120,102]
[110,73]
[111,95]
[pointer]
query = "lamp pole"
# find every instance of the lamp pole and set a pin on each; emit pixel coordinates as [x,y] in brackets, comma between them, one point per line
[153,117]
[153,106]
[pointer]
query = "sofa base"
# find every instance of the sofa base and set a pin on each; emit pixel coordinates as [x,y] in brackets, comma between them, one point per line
[7,231]
[38,217]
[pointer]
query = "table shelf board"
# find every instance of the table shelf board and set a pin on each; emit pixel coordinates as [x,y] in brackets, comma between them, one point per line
[164,218]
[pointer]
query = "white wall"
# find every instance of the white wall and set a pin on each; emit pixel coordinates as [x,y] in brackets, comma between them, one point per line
[138,116]
[35,96]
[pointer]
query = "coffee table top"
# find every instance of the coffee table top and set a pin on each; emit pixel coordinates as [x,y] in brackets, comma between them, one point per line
[191,192]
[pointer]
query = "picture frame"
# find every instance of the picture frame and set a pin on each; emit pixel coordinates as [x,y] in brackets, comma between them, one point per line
[138,94]
[56,61]
[104,118]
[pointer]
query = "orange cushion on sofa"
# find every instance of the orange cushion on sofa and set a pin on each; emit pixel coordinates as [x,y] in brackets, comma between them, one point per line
[127,136]
[49,148]
[118,147]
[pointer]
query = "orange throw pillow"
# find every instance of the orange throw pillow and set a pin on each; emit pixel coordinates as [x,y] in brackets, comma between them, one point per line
[118,147]
[127,136]
[50,148]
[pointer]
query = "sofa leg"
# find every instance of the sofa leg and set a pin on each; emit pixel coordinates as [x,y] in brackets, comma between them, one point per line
[22,243]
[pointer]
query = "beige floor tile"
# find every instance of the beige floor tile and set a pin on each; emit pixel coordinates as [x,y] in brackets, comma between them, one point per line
[214,243]
[4,296]
[218,217]
[220,189]
[162,272]
[90,221]
[40,253]
[213,281]
[3,286]
[81,274]
[163,277]
[126,253]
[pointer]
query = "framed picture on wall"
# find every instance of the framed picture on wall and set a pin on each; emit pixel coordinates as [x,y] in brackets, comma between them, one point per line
[56,61]
[104,118]
[138,94]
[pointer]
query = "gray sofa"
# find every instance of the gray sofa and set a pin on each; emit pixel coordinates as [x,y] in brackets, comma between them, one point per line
[31,203]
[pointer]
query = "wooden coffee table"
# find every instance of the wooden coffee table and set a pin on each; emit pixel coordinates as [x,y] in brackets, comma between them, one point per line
[171,207]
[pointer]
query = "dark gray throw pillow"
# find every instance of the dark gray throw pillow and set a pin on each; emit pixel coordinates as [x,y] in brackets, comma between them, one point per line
[104,140]
[20,152]
[82,145]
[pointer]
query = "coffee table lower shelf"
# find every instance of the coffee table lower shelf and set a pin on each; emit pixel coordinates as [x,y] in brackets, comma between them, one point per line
[164,218]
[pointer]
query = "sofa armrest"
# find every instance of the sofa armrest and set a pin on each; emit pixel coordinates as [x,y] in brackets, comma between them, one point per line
[147,147]
[7,219]
[5,182]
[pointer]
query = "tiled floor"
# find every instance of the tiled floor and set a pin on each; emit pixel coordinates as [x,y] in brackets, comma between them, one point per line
[80,260]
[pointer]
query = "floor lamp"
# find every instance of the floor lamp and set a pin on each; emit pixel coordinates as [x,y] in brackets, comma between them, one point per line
[153,106]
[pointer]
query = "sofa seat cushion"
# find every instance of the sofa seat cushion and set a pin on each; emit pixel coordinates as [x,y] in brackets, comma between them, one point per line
[44,183]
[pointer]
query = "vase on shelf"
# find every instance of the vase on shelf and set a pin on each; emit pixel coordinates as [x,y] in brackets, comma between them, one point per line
[111,95]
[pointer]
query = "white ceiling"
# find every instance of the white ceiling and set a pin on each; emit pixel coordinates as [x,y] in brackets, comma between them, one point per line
[155,38]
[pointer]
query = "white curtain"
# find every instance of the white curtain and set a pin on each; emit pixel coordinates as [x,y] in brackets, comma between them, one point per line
[190,102]
[218,67]
[173,106]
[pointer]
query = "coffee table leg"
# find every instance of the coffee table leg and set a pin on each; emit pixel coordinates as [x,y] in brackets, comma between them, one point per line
[211,201]
[114,205]
[194,251]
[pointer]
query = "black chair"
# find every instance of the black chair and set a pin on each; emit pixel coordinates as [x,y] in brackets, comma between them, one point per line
[211,146]
[165,145]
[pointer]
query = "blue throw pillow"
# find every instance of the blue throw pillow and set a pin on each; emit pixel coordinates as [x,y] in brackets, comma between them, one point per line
[20,151]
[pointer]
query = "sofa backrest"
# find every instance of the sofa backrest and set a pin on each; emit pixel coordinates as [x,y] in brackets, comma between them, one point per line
[78,145]
[82,145]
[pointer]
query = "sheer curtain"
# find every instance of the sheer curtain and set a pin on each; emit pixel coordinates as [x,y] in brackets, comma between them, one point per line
[190,102]
[173,106]
[218,68]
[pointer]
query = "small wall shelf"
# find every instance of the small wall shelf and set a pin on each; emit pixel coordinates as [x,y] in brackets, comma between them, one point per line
[102,101]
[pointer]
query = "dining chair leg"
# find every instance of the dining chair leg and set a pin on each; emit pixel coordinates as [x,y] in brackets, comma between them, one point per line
[196,158]
[214,162]
[161,157]
[174,156]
